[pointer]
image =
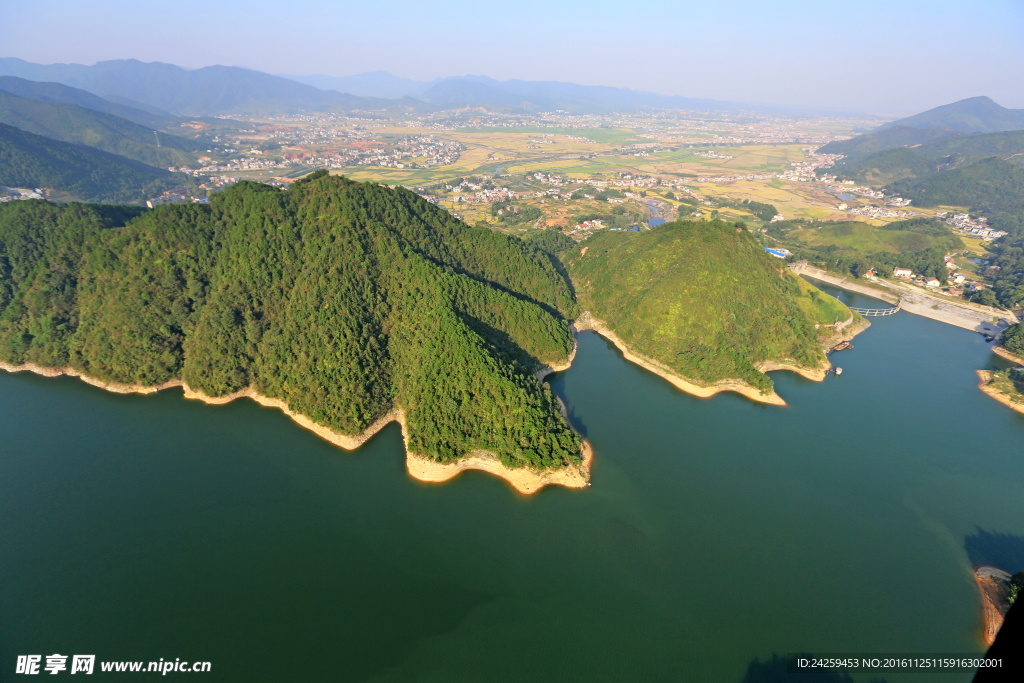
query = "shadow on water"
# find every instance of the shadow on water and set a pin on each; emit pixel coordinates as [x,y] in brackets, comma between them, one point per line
[992,548]
[776,670]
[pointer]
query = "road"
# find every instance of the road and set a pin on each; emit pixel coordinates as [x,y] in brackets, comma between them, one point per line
[981,319]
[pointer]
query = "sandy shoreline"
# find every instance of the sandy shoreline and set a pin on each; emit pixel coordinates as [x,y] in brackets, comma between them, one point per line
[1002,352]
[523,480]
[985,376]
[816,374]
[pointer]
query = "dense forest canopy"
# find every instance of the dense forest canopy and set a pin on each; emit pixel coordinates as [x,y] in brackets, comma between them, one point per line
[703,298]
[342,299]
[29,160]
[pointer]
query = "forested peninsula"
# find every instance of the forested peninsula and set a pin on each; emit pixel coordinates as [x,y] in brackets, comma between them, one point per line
[348,304]
[702,304]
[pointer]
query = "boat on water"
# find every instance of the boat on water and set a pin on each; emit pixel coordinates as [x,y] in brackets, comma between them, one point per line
[842,345]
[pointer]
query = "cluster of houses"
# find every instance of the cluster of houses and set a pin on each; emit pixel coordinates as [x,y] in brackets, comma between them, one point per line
[711,154]
[877,212]
[976,227]
[595,224]
[13,194]
[956,279]
[245,164]
[178,195]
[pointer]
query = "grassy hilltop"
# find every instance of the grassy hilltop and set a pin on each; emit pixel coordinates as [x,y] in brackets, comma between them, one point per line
[703,298]
[343,299]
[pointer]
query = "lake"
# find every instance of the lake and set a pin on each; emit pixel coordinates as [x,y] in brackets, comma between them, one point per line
[718,533]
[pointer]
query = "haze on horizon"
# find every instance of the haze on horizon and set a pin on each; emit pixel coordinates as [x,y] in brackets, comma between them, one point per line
[886,57]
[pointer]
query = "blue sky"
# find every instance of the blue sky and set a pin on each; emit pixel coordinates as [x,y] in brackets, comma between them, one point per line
[894,56]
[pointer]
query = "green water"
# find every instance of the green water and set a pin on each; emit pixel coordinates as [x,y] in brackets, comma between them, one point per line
[716,532]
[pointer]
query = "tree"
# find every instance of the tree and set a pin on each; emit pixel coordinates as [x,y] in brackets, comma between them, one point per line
[1013,338]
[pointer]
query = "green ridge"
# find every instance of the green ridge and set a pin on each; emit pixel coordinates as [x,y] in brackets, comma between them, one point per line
[343,299]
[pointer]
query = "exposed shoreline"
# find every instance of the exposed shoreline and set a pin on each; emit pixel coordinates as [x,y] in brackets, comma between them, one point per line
[588,322]
[986,376]
[991,596]
[1003,353]
[558,367]
[524,480]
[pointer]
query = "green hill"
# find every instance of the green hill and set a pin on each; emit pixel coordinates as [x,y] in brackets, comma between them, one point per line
[703,298]
[76,124]
[973,115]
[1008,145]
[342,299]
[883,167]
[897,136]
[83,173]
[911,160]
[63,94]
[993,187]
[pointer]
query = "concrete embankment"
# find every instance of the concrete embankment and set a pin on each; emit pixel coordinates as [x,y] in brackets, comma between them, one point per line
[952,312]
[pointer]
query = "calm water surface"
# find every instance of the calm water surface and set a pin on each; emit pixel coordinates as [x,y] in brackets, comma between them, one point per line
[717,533]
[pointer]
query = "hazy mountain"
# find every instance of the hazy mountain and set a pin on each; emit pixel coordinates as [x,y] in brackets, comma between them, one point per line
[58,92]
[973,115]
[72,123]
[369,84]
[517,95]
[79,172]
[212,90]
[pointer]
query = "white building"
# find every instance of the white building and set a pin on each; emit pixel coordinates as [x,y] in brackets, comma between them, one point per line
[902,272]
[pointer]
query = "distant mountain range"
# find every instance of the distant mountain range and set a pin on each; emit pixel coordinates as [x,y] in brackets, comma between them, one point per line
[210,91]
[973,115]
[471,91]
[158,89]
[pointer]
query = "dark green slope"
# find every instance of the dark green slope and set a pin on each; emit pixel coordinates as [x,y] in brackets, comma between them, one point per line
[1008,145]
[897,136]
[29,160]
[64,94]
[940,154]
[973,115]
[884,167]
[342,299]
[76,124]
[991,186]
[703,298]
